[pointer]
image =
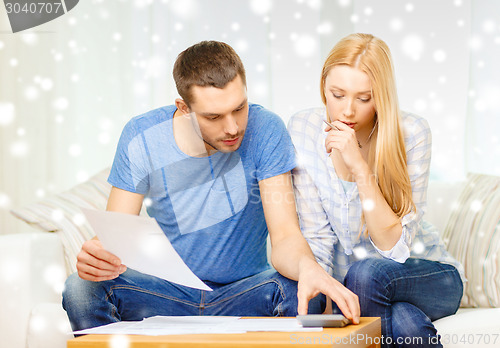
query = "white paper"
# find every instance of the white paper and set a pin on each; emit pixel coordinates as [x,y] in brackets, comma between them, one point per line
[184,325]
[141,245]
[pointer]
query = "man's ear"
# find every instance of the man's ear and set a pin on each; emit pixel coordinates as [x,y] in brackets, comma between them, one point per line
[182,106]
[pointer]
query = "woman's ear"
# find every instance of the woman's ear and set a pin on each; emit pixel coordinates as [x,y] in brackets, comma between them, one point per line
[182,106]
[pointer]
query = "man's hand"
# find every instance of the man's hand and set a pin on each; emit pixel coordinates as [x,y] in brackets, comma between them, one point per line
[314,280]
[96,264]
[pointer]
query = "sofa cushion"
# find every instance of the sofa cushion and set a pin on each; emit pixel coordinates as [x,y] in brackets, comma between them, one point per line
[470,328]
[472,236]
[61,214]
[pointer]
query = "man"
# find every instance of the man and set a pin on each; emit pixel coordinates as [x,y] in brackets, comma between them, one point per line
[216,173]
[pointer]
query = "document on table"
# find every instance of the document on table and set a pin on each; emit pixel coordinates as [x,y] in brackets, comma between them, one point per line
[141,245]
[181,325]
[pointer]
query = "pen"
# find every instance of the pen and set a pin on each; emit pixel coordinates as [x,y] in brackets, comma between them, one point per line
[331,125]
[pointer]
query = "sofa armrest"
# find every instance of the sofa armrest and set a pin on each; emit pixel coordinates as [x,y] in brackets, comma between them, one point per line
[32,271]
[442,198]
[49,327]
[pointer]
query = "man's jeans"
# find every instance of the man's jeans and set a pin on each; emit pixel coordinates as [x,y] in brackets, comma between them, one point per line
[406,296]
[134,296]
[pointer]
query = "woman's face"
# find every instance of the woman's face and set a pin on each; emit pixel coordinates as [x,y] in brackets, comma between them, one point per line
[348,93]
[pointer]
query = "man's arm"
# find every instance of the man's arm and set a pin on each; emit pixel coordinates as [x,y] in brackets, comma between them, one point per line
[291,255]
[94,262]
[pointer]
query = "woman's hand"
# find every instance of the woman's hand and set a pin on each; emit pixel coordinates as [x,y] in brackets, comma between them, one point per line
[96,264]
[343,141]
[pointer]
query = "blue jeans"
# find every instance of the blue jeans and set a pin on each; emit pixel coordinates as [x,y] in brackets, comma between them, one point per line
[135,296]
[407,297]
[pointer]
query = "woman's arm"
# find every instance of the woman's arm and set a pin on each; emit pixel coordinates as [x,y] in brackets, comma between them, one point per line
[390,235]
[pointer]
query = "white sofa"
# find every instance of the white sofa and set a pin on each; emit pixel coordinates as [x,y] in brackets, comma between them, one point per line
[33,265]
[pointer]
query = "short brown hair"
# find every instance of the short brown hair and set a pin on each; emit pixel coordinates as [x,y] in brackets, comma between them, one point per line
[207,63]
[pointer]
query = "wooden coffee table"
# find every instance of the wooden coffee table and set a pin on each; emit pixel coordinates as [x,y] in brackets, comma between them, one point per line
[366,334]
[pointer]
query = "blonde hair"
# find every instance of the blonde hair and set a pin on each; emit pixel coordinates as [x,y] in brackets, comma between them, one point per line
[388,160]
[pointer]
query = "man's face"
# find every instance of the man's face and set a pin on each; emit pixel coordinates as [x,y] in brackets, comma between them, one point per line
[222,115]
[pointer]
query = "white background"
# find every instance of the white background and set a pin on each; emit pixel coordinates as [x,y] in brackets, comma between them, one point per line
[68,87]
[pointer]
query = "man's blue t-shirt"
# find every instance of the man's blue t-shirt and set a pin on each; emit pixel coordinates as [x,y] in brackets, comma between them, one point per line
[209,207]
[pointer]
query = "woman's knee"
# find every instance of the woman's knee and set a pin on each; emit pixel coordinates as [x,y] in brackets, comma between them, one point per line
[367,274]
[410,326]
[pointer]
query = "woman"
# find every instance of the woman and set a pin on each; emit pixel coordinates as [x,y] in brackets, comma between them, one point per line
[360,188]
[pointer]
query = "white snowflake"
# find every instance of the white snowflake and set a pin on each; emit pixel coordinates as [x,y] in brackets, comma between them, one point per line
[413,46]
[61,103]
[178,26]
[4,201]
[55,276]
[235,26]
[185,9]
[420,105]
[59,118]
[46,84]
[396,24]
[78,219]
[155,67]
[306,45]
[142,3]
[19,149]
[104,138]
[57,215]
[259,89]
[31,93]
[75,150]
[155,38]
[261,7]
[360,253]
[72,21]
[29,38]
[476,43]
[489,26]
[368,205]
[82,176]
[440,56]
[119,341]
[344,3]
[324,28]
[418,248]
[7,113]
[241,46]
[314,4]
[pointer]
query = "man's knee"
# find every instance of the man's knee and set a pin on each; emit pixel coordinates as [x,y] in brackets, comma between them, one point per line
[78,292]
[288,289]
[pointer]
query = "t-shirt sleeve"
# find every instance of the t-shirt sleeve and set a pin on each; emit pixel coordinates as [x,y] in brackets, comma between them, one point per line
[130,166]
[274,151]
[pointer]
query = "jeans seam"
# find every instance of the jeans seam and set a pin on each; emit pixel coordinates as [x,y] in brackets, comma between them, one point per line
[419,276]
[122,287]
[247,290]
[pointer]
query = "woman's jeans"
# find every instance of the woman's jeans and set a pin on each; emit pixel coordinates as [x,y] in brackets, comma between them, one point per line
[407,297]
[134,296]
